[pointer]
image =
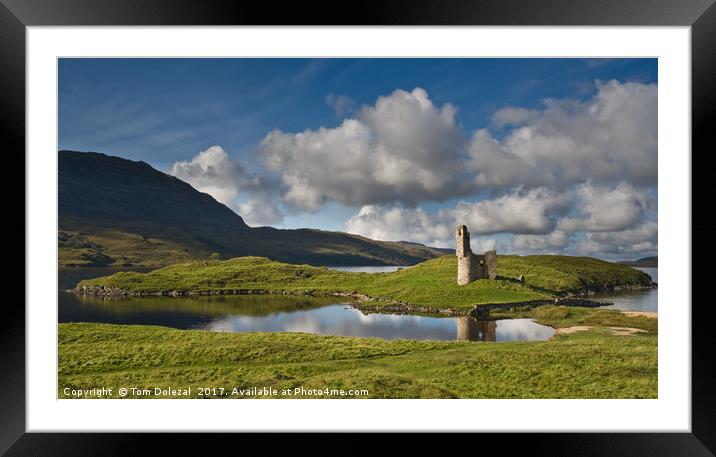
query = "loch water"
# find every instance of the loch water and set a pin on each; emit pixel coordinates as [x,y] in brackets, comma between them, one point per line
[634,300]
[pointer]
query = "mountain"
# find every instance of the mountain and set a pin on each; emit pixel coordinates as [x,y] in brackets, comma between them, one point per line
[114,211]
[644,262]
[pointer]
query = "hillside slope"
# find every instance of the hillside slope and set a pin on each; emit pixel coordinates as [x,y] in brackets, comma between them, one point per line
[644,262]
[114,211]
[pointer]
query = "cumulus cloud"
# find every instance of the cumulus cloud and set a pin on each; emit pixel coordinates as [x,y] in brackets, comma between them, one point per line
[396,223]
[399,224]
[406,150]
[603,209]
[482,244]
[641,239]
[494,165]
[513,116]
[569,175]
[553,242]
[212,171]
[402,149]
[610,220]
[260,208]
[609,138]
[533,211]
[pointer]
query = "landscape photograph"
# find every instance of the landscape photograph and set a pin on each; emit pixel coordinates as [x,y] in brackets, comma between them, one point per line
[357,228]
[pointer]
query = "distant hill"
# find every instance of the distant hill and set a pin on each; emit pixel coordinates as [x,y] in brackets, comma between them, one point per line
[114,211]
[644,262]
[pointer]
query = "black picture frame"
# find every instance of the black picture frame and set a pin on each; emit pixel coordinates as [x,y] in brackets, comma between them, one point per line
[700,15]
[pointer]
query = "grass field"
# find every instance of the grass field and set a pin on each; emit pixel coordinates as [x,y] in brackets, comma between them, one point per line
[588,364]
[429,283]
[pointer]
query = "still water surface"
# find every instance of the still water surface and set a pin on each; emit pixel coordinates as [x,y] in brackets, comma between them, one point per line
[634,300]
[268,313]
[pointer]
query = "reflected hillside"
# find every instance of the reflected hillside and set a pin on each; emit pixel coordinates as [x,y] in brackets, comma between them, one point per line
[247,305]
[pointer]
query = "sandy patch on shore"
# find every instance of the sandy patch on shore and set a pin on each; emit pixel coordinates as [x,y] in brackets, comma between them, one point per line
[575,329]
[648,314]
[625,331]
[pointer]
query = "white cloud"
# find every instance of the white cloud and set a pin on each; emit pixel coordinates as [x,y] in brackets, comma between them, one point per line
[494,164]
[513,116]
[609,138]
[406,150]
[519,212]
[534,211]
[612,218]
[553,242]
[412,224]
[260,209]
[572,173]
[641,239]
[399,224]
[479,245]
[212,171]
[402,149]
[603,209]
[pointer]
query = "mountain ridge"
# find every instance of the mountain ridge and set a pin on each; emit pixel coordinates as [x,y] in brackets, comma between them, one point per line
[118,212]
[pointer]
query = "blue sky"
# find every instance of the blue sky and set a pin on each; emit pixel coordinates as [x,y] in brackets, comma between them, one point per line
[491,115]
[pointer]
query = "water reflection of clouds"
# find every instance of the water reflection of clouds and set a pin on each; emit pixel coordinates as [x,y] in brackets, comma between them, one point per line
[522,330]
[285,314]
[337,320]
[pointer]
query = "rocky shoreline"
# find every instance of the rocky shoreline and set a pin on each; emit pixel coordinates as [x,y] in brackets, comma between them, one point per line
[586,292]
[118,292]
[476,311]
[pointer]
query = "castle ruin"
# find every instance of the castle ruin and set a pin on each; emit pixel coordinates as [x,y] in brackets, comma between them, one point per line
[472,266]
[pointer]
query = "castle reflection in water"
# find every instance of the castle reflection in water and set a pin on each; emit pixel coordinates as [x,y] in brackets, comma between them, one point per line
[471,329]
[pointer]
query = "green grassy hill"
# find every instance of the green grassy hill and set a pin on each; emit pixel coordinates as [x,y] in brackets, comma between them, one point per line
[118,212]
[431,283]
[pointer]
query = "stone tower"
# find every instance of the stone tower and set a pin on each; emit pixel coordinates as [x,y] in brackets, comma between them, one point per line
[466,271]
[470,266]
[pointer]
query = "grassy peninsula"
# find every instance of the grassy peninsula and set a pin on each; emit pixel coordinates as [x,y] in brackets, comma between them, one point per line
[431,283]
[596,362]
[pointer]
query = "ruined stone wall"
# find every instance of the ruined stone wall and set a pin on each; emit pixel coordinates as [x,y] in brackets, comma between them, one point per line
[490,262]
[478,266]
[471,266]
[466,269]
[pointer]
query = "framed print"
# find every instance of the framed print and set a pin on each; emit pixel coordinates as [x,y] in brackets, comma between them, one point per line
[415,218]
